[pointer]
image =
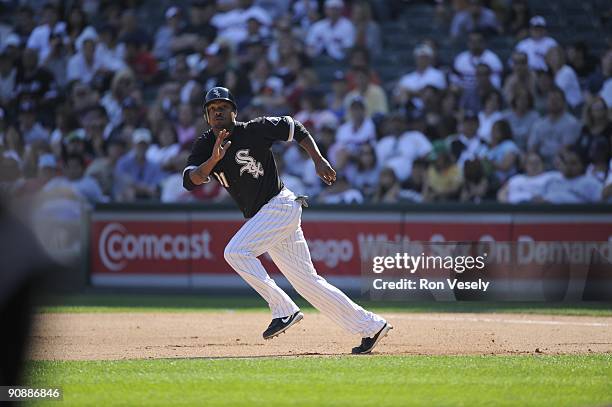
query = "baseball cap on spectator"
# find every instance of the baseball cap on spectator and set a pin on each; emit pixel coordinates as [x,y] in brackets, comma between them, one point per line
[75,135]
[423,50]
[88,34]
[537,21]
[141,135]
[172,12]
[357,100]
[334,3]
[47,161]
[11,40]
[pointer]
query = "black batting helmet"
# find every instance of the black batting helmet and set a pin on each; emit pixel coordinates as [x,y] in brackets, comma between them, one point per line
[218,93]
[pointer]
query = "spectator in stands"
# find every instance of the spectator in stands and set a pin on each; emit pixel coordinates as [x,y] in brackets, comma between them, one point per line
[313,113]
[102,169]
[476,186]
[489,115]
[424,75]
[412,188]
[581,61]
[538,43]
[373,95]
[367,32]
[167,33]
[123,85]
[504,155]
[517,23]
[136,177]
[138,57]
[599,157]
[340,192]
[39,38]
[24,23]
[86,186]
[388,189]
[465,63]
[84,65]
[29,126]
[359,129]
[185,126]
[521,116]
[555,130]
[474,98]
[467,145]
[443,180]
[109,50]
[167,147]
[521,77]
[337,96]
[47,169]
[34,82]
[13,145]
[76,24]
[232,22]
[572,184]
[565,77]
[363,174]
[474,17]
[333,35]
[199,32]
[95,123]
[58,56]
[606,67]
[131,118]
[130,30]
[526,187]
[544,84]
[596,124]
[8,77]
[399,153]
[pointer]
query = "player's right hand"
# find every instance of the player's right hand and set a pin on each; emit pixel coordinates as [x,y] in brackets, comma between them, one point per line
[221,145]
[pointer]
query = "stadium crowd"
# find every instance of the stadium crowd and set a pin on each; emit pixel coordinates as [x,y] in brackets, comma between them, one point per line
[97,104]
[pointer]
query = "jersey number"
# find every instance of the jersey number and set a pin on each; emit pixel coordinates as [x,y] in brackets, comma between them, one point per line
[222,180]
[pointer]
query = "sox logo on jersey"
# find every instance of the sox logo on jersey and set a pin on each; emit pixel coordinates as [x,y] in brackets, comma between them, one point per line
[249,164]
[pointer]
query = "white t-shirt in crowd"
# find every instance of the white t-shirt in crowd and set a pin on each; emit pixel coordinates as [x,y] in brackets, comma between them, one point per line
[536,51]
[400,153]
[582,189]
[523,188]
[465,65]
[567,81]
[415,81]
[347,135]
[606,92]
[334,39]
[486,124]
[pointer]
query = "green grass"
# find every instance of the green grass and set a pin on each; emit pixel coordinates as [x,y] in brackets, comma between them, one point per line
[200,303]
[340,381]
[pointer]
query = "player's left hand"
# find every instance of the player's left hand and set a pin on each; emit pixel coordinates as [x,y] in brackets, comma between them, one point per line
[325,171]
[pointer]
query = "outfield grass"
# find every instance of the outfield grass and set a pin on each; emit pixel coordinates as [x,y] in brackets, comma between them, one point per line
[340,381]
[199,303]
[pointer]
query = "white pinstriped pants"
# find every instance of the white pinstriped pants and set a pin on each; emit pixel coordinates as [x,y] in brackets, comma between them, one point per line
[276,229]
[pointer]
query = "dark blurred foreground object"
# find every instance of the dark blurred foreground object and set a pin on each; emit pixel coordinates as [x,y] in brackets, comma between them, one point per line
[23,263]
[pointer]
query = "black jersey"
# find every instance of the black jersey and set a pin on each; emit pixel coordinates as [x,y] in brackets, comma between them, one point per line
[247,170]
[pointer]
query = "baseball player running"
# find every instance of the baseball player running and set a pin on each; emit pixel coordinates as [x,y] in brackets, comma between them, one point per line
[238,155]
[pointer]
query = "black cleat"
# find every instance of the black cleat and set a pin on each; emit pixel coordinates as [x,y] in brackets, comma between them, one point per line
[280,325]
[367,344]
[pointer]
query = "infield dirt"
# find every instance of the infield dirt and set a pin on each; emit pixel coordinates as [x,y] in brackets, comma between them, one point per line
[147,335]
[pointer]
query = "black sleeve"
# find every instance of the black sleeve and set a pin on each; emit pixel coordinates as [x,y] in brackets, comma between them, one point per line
[201,150]
[273,129]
